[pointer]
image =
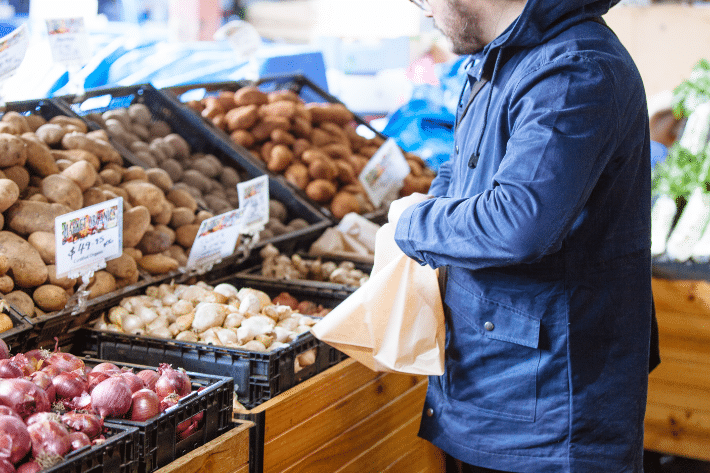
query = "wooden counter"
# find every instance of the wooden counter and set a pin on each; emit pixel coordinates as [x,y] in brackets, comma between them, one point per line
[678,409]
[346,419]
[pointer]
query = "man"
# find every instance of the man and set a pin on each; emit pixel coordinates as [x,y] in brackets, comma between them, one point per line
[541,222]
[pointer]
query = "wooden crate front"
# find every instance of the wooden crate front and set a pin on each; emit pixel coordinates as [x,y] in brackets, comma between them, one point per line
[678,410]
[228,453]
[347,419]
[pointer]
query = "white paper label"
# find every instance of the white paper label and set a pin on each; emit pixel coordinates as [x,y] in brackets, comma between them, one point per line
[384,173]
[216,239]
[12,51]
[85,239]
[68,41]
[254,200]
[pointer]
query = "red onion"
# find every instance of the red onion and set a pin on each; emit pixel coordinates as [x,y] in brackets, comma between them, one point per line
[149,377]
[79,440]
[145,405]
[6,411]
[169,401]
[90,424]
[41,417]
[30,467]
[51,370]
[25,364]
[79,403]
[6,466]
[44,381]
[23,396]
[95,377]
[49,438]
[172,381]
[68,385]
[4,350]
[133,381]
[14,439]
[8,369]
[106,367]
[65,361]
[186,428]
[111,397]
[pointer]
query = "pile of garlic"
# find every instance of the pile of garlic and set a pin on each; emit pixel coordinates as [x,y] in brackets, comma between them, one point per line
[223,315]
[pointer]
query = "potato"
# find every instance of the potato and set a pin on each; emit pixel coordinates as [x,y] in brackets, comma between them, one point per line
[182,198]
[343,203]
[329,112]
[39,157]
[280,108]
[51,133]
[181,148]
[17,122]
[181,216]
[82,174]
[186,234]
[45,245]
[102,149]
[173,168]
[9,193]
[22,302]
[133,253]
[196,179]
[135,223]
[63,282]
[50,298]
[160,178]
[4,264]
[62,190]
[134,173]
[145,194]
[13,150]
[243,138]
[122,267]
[76,155]
[280,159]
[139,113]
[155,241]
[130,280]
[102,283]
[163,218]
[157,264]
[242,118]
[19,175]
[250,95]
[25,217]
[27,268]
[320,190]
[323,169]
[6,284]
[262,130]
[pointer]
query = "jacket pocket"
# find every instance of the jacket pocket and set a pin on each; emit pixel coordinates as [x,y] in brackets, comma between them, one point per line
[492,357]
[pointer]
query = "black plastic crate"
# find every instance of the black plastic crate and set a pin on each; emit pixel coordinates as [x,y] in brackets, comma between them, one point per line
[158,442]
[118,454]
[298,83]
[258,376]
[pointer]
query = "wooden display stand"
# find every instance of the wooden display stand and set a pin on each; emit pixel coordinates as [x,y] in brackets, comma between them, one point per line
[678,409]
[228,453]
[346,419]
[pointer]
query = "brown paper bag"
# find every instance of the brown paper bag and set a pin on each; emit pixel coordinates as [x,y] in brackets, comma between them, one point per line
[395,321]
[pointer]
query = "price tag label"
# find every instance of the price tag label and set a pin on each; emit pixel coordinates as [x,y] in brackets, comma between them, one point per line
[12,51]
[85,239]
[254,200]
[68,41]
[216,239]
[383,175]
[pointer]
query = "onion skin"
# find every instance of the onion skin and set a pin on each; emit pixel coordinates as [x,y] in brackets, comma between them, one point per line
[65,361]
[68,385]
[111,397]
[9,369]
[79,440]
[145,405]
[4,350]
[51,370]
[95,377]
[29,467]
[106,367]
[41,417]
[89,424]
[6,411]
[149,377]
[172,381]
[133,381]
[6,466]
[44,381]
[15,435]
[24,396]
[49,438]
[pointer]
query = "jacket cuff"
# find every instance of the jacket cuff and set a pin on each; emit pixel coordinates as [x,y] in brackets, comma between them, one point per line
[401,234]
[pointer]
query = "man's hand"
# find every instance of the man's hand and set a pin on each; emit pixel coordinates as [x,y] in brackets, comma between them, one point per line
[399,205]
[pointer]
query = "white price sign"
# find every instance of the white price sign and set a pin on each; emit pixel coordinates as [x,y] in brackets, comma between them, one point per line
[254,200]
[384,173]
[12,51]
[68,41]
[216,239]
[85,239]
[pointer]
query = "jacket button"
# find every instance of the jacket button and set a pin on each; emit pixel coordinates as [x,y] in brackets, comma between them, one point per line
[457,149]
[489,326]
[430,412]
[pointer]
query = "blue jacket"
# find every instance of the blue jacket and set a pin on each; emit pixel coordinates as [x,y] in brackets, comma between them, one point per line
[543,221]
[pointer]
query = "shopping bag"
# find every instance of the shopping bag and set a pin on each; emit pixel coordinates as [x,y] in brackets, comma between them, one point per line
[395,321]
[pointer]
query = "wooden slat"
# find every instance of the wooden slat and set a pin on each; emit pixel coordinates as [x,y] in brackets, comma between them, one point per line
[691,297]
[693,375]
[360,437]
[228,453]
[676,394]
[332,420]
[423,458]
[657,439]
[685,350]
[678,420]
[680,324]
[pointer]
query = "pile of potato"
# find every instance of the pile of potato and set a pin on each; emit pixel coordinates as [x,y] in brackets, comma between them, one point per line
[221,315]
[313,145]
[212,184]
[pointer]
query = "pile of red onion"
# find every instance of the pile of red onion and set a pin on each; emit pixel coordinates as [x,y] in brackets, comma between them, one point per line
[51,404]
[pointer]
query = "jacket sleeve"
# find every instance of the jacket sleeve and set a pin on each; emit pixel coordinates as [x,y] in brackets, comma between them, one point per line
[563,124]
[440,185]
